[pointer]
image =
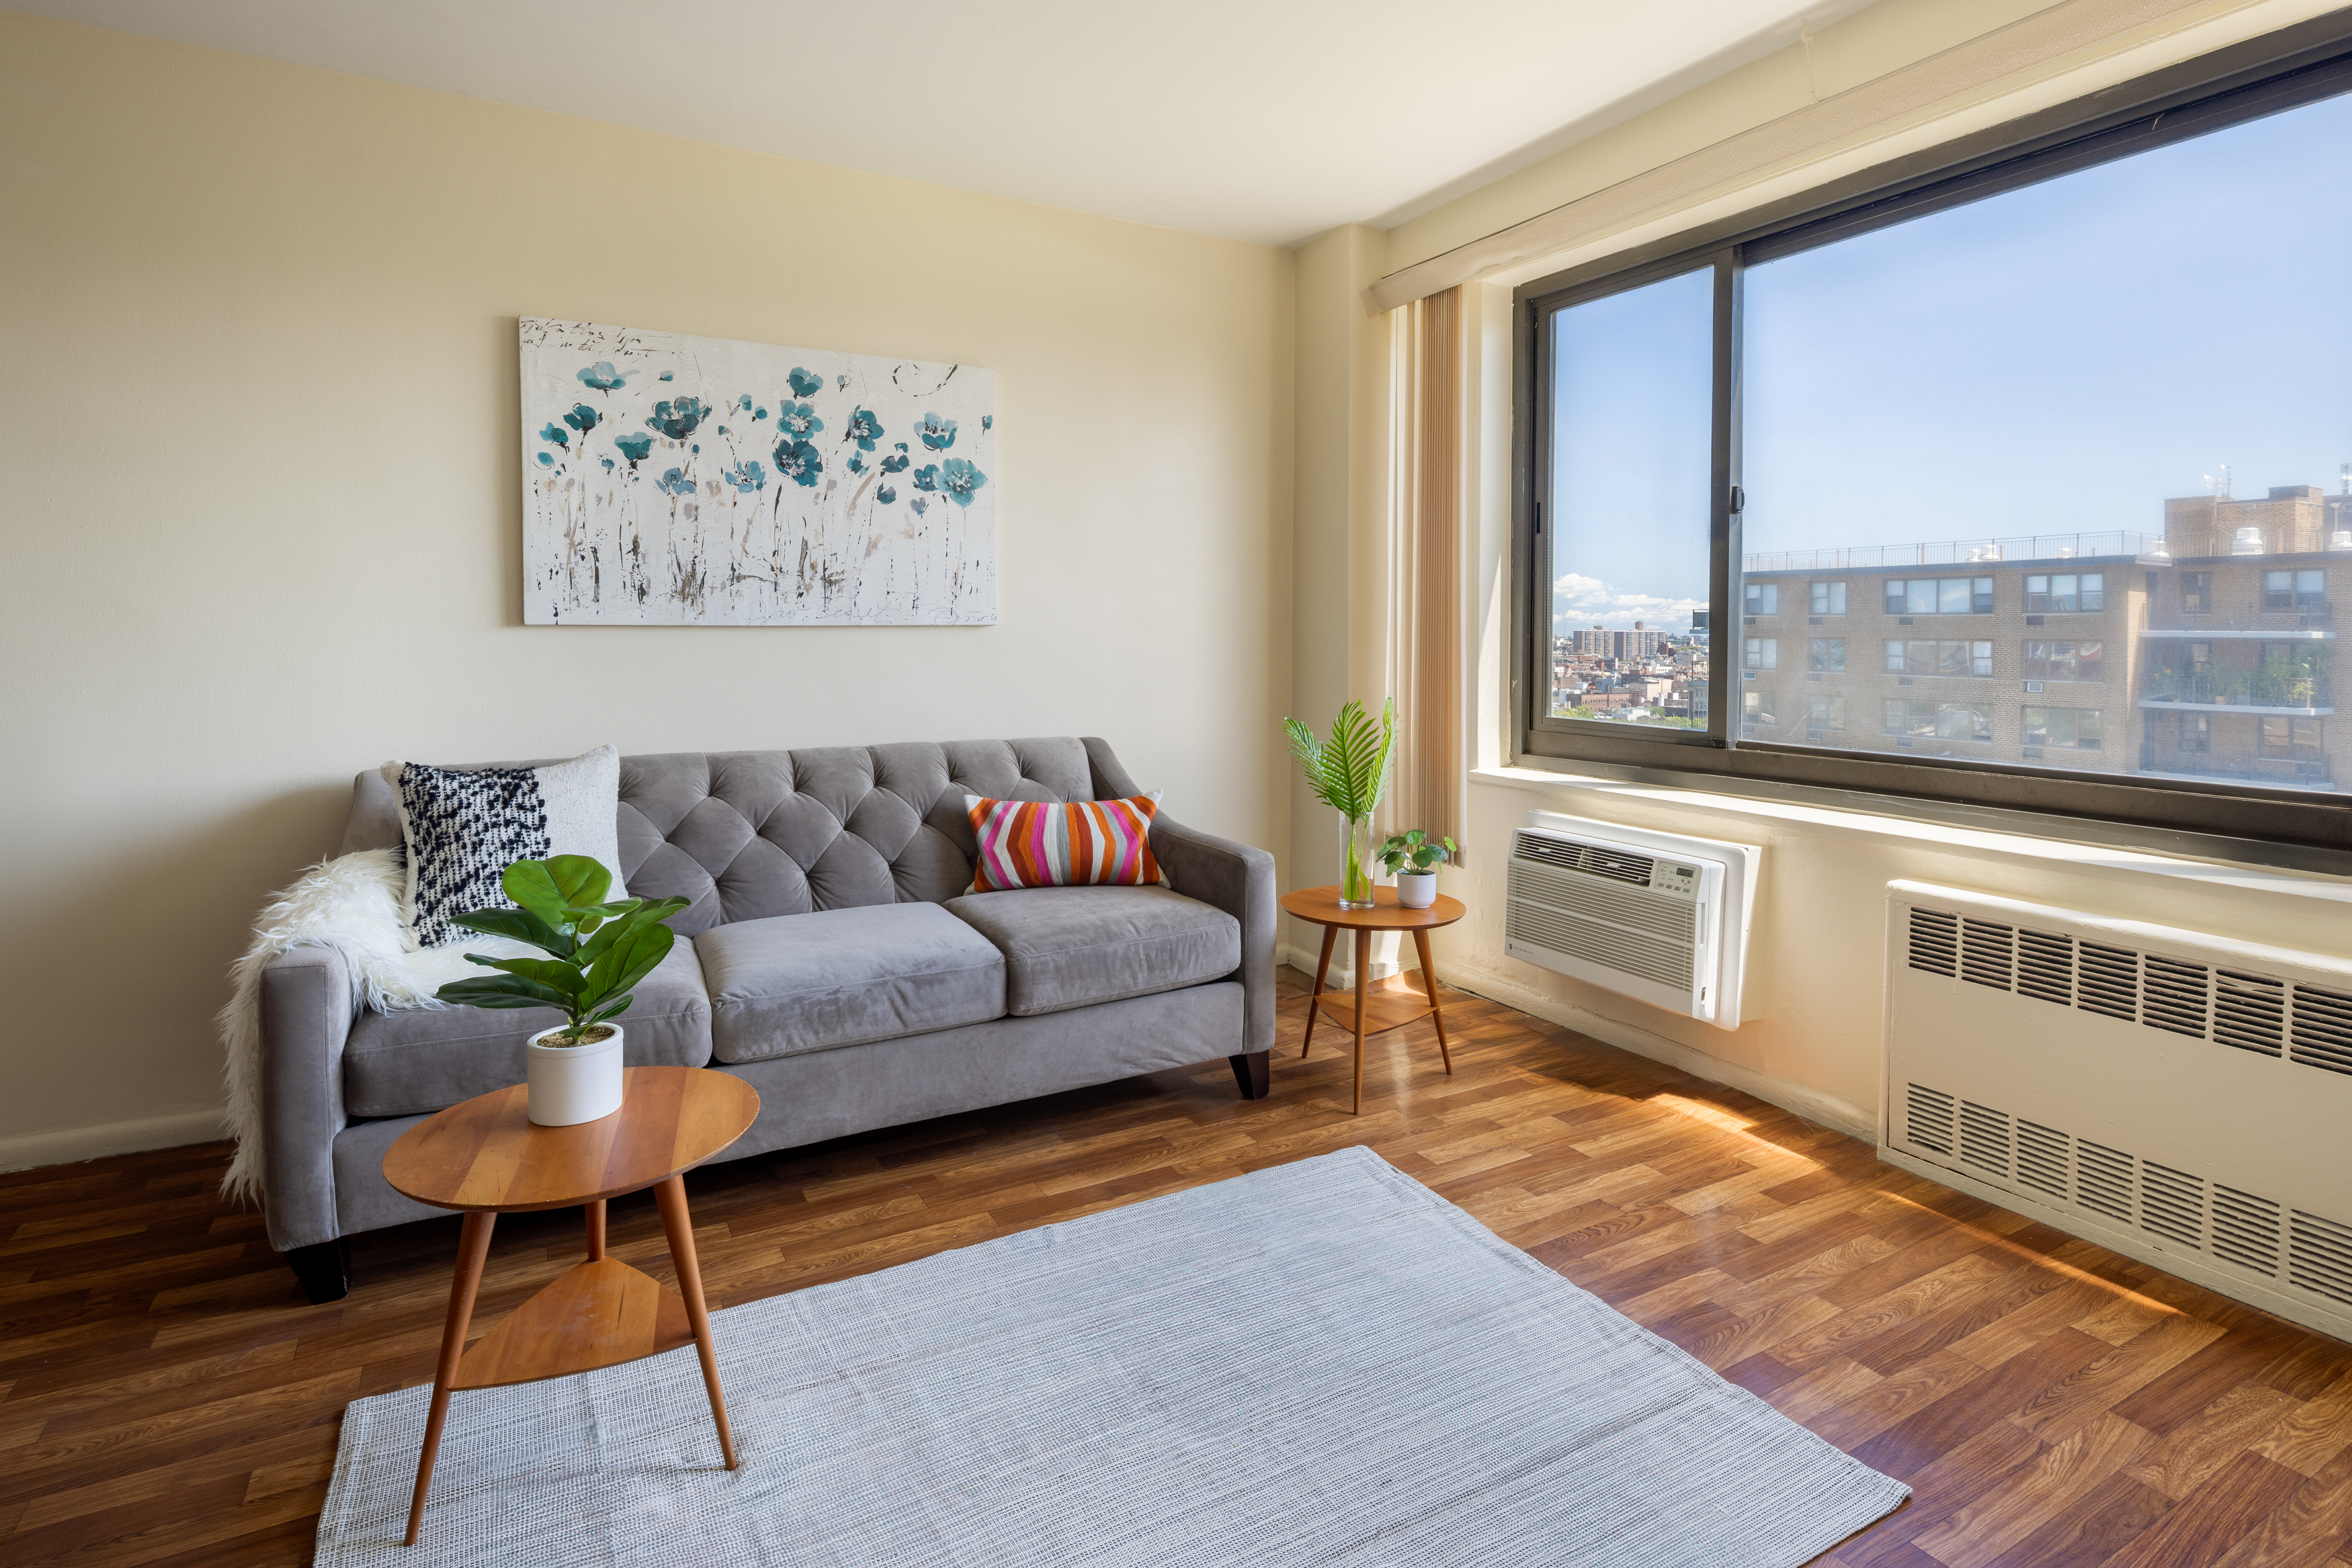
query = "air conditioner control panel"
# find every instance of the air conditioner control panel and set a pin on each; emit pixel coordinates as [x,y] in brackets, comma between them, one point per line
[1673,880]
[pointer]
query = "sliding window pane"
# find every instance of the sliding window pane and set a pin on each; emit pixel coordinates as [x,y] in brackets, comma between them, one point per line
[1632,405]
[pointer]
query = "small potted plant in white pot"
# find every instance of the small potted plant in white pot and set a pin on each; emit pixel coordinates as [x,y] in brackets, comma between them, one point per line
[596,953]
[1413,859]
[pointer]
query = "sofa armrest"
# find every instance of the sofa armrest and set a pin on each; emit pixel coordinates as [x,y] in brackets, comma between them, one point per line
[1238,880]
[306,1007]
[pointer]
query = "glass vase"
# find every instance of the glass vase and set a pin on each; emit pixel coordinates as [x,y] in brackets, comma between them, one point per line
[1355,861]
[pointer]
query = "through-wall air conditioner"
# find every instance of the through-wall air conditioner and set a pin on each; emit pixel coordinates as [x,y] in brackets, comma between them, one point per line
[2174,1096]
[1661,917]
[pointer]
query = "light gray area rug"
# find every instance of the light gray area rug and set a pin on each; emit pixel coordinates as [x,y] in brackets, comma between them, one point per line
[1324,1363]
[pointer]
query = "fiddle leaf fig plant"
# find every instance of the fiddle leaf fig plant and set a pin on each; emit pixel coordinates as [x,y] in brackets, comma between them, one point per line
[1412,848]
[597,951]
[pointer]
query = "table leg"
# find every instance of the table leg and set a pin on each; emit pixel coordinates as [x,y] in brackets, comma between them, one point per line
[1363,984]
[1429,984]
[670,1195]
[597,1231]
[1314,1004]
[473,1249]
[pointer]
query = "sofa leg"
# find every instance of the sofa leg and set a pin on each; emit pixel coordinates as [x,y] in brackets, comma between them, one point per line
[1252,1072]
[324,1269]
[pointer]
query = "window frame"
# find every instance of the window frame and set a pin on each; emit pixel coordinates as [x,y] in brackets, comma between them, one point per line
[2281,70]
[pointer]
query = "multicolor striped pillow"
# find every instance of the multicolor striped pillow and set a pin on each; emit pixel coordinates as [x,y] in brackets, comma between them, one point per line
[1040,843]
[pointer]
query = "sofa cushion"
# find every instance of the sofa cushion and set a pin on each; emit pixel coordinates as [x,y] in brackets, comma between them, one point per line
[426,1059]
[1074,946]
[792,983]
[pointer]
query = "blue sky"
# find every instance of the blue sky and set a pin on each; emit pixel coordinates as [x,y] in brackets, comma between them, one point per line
[2056,359]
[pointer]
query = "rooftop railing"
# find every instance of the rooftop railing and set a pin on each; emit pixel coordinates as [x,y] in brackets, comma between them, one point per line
[2037,548]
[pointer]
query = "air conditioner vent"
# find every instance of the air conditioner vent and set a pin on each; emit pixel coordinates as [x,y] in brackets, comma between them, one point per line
[2175,996]
[1592,860]
[1987,952]
[2108,981]
[2323,1029]
[2319,1256]
[2045,966]
[1935,941]
[2042,1158]
[1929,1120]
[2172,1203]
[1984,1137]
[2246,1229]
[2103,1180]
[2249,1011]
[1665,963]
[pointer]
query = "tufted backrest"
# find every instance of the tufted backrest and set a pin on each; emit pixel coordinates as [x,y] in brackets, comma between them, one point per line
[746,834]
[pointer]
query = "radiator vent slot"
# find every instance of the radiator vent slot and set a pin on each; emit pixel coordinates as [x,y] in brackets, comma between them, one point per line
[2174,997]
[2045,966]
[1987,952]
[1929,1120]
[2103,1180]
[2323,1029]
[1984,1137]
[1592,860]
[1935,941]
[2319,1256]
[2109,982]
[2246,1229]
[2249,1011]
[2041,1158]
[2171,1204]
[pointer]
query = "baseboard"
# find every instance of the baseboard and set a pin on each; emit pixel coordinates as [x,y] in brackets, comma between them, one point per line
[1812,1104]
[34,1150]
[1342,976]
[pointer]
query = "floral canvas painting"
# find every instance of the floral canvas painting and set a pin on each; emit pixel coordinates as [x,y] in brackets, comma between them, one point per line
[670,481]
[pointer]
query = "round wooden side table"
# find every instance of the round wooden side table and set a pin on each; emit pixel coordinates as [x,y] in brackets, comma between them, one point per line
[486,1158]
[1364,1012]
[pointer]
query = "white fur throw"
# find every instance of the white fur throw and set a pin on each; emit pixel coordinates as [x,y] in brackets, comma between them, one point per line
[352,904]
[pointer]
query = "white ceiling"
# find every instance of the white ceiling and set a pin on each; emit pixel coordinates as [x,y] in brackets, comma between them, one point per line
[1262,120]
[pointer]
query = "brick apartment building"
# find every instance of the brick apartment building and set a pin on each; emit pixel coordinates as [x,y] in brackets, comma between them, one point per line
[2204,653]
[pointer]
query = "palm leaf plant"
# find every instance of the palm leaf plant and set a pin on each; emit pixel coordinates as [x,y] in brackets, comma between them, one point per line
[597,951]
[1349,772]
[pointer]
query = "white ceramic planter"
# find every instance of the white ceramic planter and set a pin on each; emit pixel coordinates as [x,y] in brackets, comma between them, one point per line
[1416,888]
[573,1083]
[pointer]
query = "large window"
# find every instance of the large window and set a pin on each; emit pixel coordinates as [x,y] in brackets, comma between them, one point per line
[1934,407]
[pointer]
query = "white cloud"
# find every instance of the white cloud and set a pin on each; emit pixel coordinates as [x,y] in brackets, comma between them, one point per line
[1587,601]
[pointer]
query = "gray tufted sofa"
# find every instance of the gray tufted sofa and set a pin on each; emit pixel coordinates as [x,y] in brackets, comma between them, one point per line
[832,960]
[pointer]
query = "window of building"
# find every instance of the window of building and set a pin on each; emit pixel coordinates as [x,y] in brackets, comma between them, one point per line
[1942,721]
[2064,662]
[1939,384]
[2064,593]
[1761,653]
[2291,740]
[1939,596]
[1907,656]
[2075,727]
[1756,711]
[1826,710]
[2196,731]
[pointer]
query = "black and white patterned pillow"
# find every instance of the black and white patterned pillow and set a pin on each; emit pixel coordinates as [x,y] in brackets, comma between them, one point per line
[462,827]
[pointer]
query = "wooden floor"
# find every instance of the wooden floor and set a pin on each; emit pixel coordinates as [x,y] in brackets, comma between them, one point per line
[167,1398]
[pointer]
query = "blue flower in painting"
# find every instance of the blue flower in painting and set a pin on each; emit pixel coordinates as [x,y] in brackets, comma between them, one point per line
[743,403]
[865,429]
[798,461]
[607,463]
[601,377]
[804,383]
[988,422]
[857,464]
[669,375]
[894,461]
[886,495]
[636,448]
[920,505]
[676,420]
[675,483]
[938,434]
[545,461]
[799,419]
[553,435]
[841,384]
[758,416]
[583,418]
[960,481]
[749,476]
[927,477]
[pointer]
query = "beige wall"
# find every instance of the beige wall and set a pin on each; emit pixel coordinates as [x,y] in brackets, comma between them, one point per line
[261,510]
